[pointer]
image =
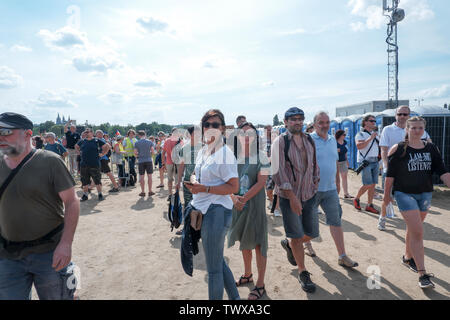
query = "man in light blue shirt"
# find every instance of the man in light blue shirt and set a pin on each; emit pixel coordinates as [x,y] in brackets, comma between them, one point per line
[327,196]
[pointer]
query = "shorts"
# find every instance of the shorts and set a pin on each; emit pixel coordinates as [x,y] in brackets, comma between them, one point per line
[370,173]
[298,226]
[90,172]
[104,166]
[342,166]
[329,202]
[409,201]
[270,185]
[145,167]
[171,172]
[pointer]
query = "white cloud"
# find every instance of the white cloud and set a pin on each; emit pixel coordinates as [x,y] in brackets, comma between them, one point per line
[371,11]
[20,48]
[64,38]
[148,83]
[8,78]
[50,99]
[150,25]
[91,62]
[113,97]
[268,84]
[439,92]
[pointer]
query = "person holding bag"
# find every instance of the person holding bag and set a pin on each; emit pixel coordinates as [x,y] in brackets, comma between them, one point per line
[249,223]
[215,178]
[409,175]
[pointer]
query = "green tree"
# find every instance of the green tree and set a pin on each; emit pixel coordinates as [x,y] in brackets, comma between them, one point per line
[276,121]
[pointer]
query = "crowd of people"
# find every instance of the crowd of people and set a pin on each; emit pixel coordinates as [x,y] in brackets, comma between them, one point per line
[226,175]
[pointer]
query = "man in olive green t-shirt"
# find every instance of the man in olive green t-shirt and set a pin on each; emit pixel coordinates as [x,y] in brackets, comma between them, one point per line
[39,212]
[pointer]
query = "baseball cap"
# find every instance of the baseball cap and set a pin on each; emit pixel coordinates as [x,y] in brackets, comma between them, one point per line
[294,111]
[11,120]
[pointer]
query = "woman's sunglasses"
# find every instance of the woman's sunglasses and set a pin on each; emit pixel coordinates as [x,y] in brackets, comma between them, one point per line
[215,125]
[6,132]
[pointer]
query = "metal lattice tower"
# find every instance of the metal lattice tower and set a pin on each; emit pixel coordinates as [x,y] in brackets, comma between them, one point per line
[395,15]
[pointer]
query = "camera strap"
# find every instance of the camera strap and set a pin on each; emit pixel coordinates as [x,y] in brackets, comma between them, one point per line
[373,141]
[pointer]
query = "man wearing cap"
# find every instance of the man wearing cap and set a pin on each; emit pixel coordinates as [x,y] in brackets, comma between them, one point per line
[39,212]
[296,177]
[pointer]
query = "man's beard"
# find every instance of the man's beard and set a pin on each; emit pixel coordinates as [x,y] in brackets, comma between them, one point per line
[12,151]
[293,130]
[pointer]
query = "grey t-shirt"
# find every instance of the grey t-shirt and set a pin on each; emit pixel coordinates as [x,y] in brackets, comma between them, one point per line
[30,206]
[143,147]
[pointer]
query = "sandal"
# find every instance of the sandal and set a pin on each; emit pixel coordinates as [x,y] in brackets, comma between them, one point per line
[242,278]
[256,292]
[142,194]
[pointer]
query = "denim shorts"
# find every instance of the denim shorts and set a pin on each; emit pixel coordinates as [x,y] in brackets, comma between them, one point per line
[298,226]
[409,201]
[329,202]
[370,173]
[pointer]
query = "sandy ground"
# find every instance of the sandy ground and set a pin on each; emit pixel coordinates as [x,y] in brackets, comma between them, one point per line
[125,250]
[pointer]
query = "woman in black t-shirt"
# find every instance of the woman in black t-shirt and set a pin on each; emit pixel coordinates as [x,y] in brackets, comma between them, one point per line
[409,176]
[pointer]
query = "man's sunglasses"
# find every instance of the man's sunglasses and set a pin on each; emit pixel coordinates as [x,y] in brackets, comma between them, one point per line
[215,125]
[6,132]
[403,114]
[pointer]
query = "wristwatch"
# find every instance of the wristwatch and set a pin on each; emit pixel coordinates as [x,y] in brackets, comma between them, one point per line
[207,189]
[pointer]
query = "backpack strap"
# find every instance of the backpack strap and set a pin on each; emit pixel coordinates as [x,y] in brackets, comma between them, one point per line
[287,145]
[311,140]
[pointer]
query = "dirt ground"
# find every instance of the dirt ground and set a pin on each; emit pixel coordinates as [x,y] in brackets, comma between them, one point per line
[125,250]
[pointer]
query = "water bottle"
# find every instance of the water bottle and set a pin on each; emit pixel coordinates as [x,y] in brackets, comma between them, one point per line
[244,187]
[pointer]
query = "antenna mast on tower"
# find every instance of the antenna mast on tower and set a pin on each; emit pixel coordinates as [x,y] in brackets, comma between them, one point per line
[395,15]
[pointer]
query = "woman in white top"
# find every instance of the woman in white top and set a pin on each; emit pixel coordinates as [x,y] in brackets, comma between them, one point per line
[215,178]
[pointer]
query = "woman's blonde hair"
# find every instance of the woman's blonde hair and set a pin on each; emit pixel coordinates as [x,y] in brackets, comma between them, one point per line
[408,125]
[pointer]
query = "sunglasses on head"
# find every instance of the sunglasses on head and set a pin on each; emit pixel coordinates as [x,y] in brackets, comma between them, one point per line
[403,114]
[215,125]
[6,132]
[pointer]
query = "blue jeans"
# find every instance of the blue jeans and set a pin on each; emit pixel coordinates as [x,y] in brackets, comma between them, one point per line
[216,223]
[18,276]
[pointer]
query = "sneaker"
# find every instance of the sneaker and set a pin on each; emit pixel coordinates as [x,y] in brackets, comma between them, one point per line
[356,204]
[84,198]
[277,213]
[382,224]
[309,250]
[370,208]
[113,190]
[410,263]
[290,255]
[425,282]
[100,197]
[306,283]
[345,261]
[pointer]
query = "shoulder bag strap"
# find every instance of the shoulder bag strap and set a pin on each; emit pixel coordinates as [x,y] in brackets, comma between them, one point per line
[14,172]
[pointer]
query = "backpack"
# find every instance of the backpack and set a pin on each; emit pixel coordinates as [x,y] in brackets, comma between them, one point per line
[287,145]
[175,211]
[131,181]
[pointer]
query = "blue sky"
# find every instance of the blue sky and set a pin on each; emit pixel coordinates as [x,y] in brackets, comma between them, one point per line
[169,61]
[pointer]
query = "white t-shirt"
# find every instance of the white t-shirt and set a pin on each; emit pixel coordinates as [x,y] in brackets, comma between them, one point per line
[373,153]
[392,135]
[214,170]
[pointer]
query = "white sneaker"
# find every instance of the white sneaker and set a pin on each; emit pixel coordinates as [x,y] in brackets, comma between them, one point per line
[277,213]
[382,224]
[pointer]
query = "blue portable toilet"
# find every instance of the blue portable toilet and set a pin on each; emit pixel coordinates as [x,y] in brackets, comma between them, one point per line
[348,125]
[335,125]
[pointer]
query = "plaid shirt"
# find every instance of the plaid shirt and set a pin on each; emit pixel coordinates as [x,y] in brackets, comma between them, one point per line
[306,173]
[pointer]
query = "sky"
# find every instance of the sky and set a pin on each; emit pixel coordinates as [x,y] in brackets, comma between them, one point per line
[128,62]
